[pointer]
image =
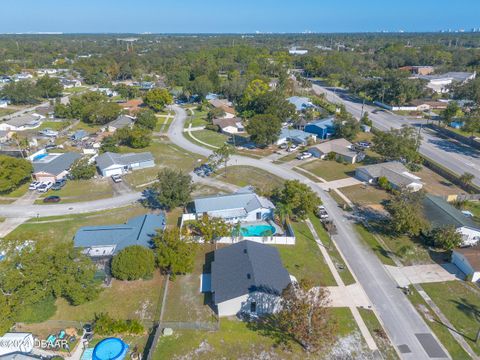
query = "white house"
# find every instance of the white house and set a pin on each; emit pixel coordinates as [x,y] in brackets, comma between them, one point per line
[20,123]
[229,125]
[468,260]
[109,163]
[243,206]
[247,277]
[440,213]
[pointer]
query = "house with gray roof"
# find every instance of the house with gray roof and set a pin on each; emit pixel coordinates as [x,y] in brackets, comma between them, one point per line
[247,277]
[298,137]
[440,214]
[21,123]
[243,206]
[53,167]
[107,240]
[343,150]
[394,171]
[120,122]
[300,103]
[109,163]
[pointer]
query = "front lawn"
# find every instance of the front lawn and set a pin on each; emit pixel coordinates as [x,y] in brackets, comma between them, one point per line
[329,169]
[261,180]
[460,303]
[362,195]
[373,244]
[83,190]
[211,137]
[304,259]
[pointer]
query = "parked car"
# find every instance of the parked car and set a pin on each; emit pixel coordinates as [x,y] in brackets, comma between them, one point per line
[322,212]
[116,178]
[52,199]
[59,184]
[284,146]
[364,144]
[34,185]
[304,155]
[45,186]
[50,146]
[292,148]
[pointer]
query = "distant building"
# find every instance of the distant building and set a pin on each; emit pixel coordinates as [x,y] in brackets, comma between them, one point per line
[440,83]
[323,128]
[120,122]
[300,103]
[247,278]
[295,51]
[229,125]
[343,150]
[52,167]
[424,105]
[440,213]
[394,171]
[295,136]
[418,70]
[21,123]
[468,260]
[107,240]
[109,163]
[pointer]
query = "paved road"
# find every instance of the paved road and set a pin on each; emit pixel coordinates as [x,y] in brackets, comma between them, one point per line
[453,155]
[401,320]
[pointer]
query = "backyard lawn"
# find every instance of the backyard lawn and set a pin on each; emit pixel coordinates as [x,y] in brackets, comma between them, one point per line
[215,139]
[330,170]
[304,259]
[263,181]
[362,195]
[63,228]
[235,340]
[54,125]
[185,302]
[460,303]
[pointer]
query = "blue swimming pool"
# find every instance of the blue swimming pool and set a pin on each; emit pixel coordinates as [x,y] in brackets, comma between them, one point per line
[110,349]
[40,156]
[258,230]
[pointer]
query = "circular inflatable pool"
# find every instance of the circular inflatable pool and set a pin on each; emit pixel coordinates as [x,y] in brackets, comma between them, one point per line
[110,349]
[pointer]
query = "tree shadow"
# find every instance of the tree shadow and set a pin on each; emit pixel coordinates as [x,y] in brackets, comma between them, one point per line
[267,325]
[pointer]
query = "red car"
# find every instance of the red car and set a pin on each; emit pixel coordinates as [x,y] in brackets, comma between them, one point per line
[52,199]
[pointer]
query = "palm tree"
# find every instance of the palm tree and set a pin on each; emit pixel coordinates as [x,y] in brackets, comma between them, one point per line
[283,213]
[466,179]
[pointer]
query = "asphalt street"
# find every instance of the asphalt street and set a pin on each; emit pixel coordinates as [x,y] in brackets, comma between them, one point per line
[451,154]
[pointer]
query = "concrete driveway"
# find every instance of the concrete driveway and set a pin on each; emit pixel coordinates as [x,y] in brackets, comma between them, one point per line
[418,274]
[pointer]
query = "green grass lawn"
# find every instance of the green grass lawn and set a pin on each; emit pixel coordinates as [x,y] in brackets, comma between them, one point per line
[379,335]
[373,244]
[63,228]
[304,259]
[54,125]
[460,303]
[160,123]
[5,112]
[365,194]
[166,155]
[185,302]
[235,340]
[440,330]
[332,250]
[329,169]
[75,90]
[199,118]
[263,181]
[474,208]
[83,190]
[287,158]
[210,137]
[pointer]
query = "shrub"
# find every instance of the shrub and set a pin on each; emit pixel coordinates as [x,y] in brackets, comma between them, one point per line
[212,127]
[133,263]
[384,183]
[106,325]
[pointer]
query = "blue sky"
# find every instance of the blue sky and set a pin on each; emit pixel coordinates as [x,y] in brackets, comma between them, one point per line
[215,16]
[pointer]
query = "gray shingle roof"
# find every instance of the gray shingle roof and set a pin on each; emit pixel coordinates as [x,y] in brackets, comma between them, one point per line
[136,231]
[108,159]
[245,267]
[56,165]
[121,122]
[240,203]
[394,171]
[440,213]
[22,120]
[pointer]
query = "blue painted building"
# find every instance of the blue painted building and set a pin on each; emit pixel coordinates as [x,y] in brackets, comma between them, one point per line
[323,128]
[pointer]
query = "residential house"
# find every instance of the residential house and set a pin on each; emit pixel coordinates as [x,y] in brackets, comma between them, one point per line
[107,240]
[424,105]
[323,128]
[394,171]
[22,76]
[225,105]
[5,135]
[122,121]
[457,124]
[300,103]
[440,213]
[468,260]
[295,136]
[243,205]
[230,125]
[247,278]
[418,70]
[21,123]
[79,135]
[147,85]
[132,106]
[109,163]
[440,83]
[343,149]
[70,83]
[52,167]
[45,112]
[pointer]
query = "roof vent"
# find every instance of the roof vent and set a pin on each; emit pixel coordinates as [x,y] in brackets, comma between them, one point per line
[249,276]
[244,251]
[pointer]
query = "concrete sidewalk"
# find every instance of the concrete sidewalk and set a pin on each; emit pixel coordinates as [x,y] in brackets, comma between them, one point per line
[418,274]
[337,184]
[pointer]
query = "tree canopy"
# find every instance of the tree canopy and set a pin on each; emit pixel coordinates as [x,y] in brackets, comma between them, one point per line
[172,189]
[264,129]
[133,263]
[296,198]
[157,99]
[398,144]
[13,172]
